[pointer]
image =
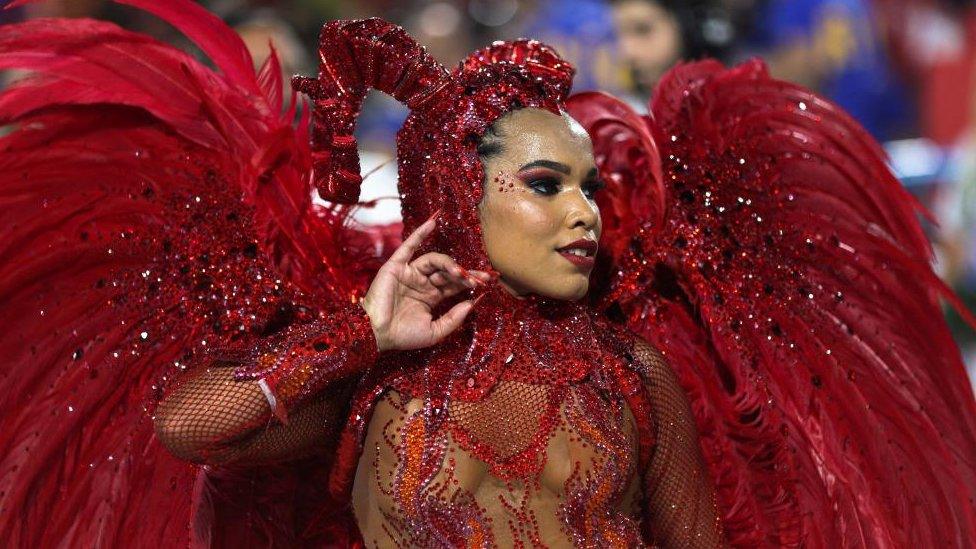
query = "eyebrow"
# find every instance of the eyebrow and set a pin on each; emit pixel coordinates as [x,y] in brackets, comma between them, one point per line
[557,166]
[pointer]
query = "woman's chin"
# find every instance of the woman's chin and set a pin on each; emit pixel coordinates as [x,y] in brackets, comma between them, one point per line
[571,290]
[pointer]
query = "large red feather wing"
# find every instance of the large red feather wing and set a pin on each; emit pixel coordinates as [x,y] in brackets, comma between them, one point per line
[789,284]
[150,208]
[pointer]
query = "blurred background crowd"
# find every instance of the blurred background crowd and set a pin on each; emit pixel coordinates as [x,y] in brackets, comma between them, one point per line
[905,68]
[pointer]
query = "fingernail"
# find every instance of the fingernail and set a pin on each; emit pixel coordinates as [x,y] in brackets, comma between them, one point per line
[470,277]
[437,213]
[467,274]
[477,299]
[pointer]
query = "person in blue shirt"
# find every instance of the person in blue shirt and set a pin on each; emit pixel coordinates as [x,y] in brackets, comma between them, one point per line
[833,46]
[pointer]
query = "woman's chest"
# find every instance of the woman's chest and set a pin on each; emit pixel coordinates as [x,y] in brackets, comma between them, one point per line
[526,462]
[555,438]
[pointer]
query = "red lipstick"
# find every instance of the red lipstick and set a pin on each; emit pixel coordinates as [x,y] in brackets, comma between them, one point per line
[585,257]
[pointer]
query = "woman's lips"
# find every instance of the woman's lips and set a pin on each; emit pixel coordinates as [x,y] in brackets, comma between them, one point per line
[584,262]
[585,256]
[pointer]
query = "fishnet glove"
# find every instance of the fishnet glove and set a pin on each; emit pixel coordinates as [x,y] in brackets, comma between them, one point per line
[679,498]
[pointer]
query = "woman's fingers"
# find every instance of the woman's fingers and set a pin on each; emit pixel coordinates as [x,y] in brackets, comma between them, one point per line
[433,262]
[442,271]
[451,320]
[449,285]
[481,275]
[412,242]
[431,290]
[440,280]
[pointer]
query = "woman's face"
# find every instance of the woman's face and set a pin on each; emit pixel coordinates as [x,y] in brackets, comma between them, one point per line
[539,221]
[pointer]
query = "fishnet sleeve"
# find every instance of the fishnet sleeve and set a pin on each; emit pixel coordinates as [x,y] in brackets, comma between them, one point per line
[236,410]
[296,365]
[213,419]
[679,497]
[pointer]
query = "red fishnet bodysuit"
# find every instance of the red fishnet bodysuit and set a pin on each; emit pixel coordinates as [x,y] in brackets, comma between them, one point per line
[526,464]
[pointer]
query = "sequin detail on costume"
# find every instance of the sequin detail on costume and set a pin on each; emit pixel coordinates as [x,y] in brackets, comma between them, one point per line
[493,392]
[441,495]
[306,358]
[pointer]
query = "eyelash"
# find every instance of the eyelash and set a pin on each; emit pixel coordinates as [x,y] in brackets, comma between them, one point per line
[548,186]
[594,187]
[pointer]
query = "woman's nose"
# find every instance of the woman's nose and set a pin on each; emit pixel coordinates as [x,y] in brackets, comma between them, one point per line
[582,212]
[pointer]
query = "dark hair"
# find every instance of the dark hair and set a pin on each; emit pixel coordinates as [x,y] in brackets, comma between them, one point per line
[490,144]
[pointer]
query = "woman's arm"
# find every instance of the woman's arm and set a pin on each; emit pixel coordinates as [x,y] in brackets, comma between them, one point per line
[214,417]
[679,497]
[280,396]
[216,420]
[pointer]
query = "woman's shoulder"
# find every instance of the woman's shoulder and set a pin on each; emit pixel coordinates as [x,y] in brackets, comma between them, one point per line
[641,360]
[631,347]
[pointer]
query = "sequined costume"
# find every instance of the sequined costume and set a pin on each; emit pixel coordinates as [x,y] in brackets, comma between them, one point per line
[762,340]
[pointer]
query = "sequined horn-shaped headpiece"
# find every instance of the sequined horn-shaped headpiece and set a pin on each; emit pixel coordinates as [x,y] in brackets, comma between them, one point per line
[356,56]
[437,145]
[437,150]
[538,59]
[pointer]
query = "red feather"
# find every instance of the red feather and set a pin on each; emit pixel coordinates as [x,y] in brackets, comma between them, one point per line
[791,289]
[149,204]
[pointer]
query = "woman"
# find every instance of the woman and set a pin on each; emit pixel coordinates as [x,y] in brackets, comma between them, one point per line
[655,35]
[491,445]
[751,248]
[526,440]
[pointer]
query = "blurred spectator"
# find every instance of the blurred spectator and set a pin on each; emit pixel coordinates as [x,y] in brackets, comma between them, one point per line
[263,29]
[955,205]
[833,46]
[653,35]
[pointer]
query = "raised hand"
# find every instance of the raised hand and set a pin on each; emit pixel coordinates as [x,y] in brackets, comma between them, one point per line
[404,292]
